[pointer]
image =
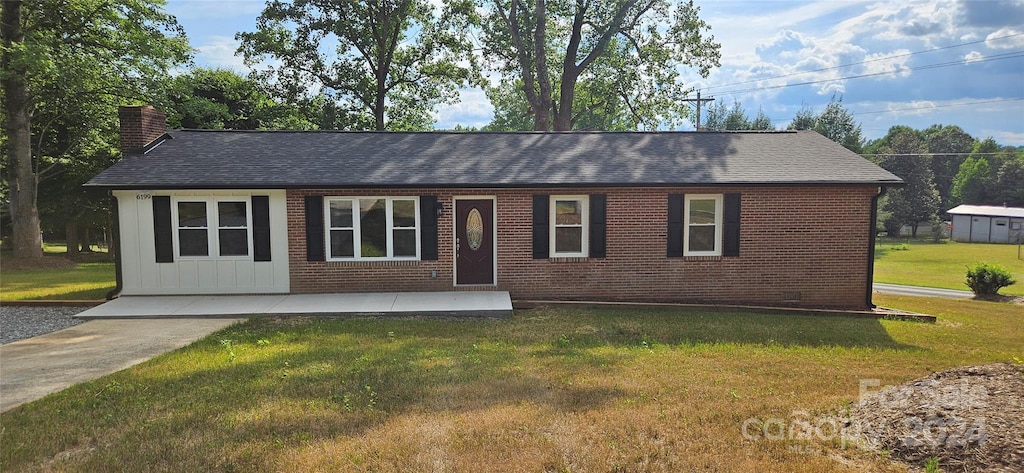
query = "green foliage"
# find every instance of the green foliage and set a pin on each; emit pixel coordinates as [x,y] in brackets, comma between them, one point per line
[384,64]
[987,279]
[737,118]
[949,146]
[761,121]
[938,229]
[836,123]
[593,65]
[79,60]
[971,184]
[905,156]
[1009,188]
[805,119]
[215,99]
[714,118]
[720,118]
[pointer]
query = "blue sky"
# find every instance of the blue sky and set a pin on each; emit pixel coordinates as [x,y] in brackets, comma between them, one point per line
[935,61]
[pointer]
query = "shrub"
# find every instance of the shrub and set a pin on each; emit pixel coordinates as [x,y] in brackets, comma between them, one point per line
[988,279]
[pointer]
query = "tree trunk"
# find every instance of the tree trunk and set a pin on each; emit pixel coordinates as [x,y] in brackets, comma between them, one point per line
[541,109]
[26,238]
[913,230]
[86,240]
[71,238]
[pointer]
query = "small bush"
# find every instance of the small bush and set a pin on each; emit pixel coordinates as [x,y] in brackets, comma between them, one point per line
[988,279]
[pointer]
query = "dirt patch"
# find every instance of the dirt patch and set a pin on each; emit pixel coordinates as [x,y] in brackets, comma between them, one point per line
[1018,300]
[969,419]
[46,262]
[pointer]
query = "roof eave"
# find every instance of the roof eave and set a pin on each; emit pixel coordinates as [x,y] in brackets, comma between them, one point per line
[213,186]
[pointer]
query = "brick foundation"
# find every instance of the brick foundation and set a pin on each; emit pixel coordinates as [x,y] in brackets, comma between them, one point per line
[804,246]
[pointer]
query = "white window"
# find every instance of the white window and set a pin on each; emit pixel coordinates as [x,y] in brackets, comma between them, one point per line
[194,218]
[569,221]
[372,228]
[702,225]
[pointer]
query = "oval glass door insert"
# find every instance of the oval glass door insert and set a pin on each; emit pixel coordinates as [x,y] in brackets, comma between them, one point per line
[474,229]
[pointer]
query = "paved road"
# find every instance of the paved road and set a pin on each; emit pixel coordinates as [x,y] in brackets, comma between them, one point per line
[922,291]
[35,367]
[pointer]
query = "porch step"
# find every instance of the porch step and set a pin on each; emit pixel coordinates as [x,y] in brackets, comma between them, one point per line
[454,304]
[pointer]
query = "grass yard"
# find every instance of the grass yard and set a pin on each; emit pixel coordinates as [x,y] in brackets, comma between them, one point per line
[944,265]
[91,279]
[550,389]
[87,281]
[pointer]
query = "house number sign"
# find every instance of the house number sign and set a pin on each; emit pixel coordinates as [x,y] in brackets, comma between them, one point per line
[474,229]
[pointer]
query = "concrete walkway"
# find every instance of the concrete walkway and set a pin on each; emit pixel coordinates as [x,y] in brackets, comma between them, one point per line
[35,367]
[922,291]
[455,303]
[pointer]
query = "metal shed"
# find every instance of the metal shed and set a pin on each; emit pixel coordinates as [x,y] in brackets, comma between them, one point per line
[987,224]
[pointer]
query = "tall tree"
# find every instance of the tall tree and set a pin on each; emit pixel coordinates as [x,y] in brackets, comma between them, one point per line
[386,63]
[906,156]
[17,126]
[761,121]
[805,119]
[836,123]
[221,99]
[1009,187]
[949,146]
[61,58]
[598,57]
[737,118]
[715,117]
[972,183]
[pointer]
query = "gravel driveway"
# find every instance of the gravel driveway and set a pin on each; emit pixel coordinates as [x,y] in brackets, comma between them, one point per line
[20,322]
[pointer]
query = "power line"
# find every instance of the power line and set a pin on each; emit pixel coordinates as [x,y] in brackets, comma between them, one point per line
[998,57]
[939,106]
[864,62]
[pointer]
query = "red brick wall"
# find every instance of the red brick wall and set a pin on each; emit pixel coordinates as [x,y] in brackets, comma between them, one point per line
[140,125]
[806,242]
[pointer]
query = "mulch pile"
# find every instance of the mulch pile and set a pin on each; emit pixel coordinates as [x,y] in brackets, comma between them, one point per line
[969,418]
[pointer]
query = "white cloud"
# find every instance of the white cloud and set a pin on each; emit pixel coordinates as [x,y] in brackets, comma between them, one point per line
[473,109]
[973,56]
[219,52]
[1005,137]
[1005,38]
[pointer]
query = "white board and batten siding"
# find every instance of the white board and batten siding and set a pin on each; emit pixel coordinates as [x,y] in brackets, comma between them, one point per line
[142,275]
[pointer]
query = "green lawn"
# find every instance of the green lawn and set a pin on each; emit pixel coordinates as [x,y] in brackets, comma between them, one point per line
[551,389]
[89,280]
[944,265]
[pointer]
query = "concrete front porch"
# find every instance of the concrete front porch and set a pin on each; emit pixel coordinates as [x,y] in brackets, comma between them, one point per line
[455,303]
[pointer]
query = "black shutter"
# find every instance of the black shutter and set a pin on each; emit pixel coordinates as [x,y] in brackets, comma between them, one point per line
[540,227]
[598,209]
[731,228]
[163,233]
[428,227]
[261,228]
[315,228]
[675,224]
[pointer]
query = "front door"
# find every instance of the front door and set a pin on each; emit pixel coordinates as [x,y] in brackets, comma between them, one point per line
[474,241]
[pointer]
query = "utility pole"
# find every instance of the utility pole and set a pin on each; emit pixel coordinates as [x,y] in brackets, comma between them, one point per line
[699,102]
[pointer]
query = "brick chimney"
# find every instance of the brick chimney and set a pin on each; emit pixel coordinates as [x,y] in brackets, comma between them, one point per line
[140,126]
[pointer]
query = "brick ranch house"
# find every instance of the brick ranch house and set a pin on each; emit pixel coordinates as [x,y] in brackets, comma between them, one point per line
[775,218]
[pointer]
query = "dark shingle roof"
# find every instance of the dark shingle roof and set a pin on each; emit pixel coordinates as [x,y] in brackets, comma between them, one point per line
[282,159]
